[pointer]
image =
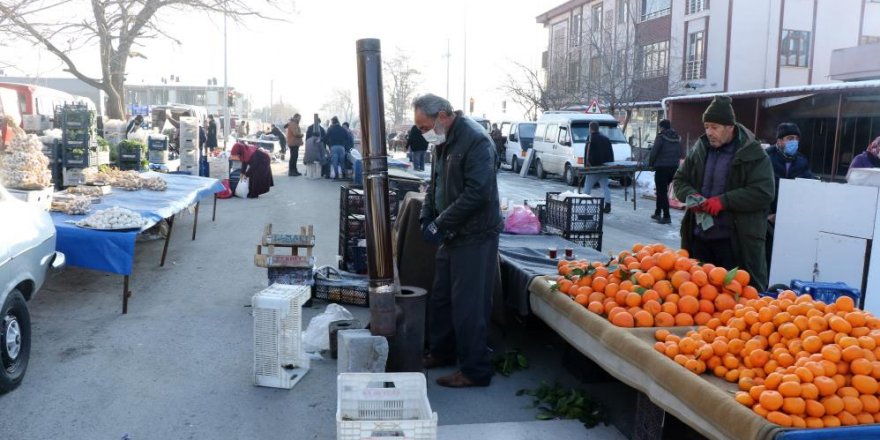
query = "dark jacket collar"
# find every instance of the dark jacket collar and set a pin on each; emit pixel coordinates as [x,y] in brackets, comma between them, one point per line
[748,149]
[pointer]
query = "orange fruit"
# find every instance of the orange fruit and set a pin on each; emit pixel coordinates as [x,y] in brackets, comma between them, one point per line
[708,292]
[830,421]
[813,408]
[832,404]
[623,319]
[845,303]
[794,405]
[599,283]
[790,389]
[865,384]
[633,299]
[582,299]
[744,398]
[742,277]
[699,278]
[644,318]
[852,404]
[772,400]
[870,403]
[724,302]
[716,276]
[839,324]
[664,319]
[689,305]
[779,418]
[666,260]
[652,306]
[596,307]
[679,277]
[684,319]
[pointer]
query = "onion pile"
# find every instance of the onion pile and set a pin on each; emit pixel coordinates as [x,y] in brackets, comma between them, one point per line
[92,191]
[154,183]
[23,164]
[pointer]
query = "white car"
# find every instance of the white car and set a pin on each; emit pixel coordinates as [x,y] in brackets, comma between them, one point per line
[27,255]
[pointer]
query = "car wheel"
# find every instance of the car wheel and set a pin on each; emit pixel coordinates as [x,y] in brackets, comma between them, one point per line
[568,176]
[514,165]
[539,170]
[15,341]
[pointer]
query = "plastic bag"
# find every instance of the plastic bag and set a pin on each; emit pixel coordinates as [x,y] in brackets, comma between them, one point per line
[522,221]
[241,190]
[227,192]
[317,334]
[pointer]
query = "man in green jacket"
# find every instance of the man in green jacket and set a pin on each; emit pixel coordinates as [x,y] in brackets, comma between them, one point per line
[731,177]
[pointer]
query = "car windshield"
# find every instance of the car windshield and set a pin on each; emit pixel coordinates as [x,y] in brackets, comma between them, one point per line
[527,130]
[581,132]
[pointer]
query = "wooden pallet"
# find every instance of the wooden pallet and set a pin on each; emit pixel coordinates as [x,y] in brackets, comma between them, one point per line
[305,240]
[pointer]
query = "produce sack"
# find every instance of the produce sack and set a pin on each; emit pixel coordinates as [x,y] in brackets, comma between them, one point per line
[227,191]
[242,189]
[317,334]
[522,221]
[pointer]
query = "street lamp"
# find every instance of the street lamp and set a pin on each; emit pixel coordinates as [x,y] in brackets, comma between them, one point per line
[225,82]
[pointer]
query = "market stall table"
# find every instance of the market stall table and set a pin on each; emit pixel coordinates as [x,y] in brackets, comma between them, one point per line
[704,402]
[113,251]
[627,168]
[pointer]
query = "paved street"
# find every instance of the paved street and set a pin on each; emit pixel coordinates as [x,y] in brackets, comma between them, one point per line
[179,364]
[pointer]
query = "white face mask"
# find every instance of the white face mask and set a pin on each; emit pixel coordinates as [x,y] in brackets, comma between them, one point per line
[432,137]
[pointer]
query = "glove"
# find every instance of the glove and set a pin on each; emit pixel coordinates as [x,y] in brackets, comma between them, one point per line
[430,232]
[713,206]
[696,207]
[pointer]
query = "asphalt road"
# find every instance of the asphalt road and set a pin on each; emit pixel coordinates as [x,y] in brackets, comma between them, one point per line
[179,364]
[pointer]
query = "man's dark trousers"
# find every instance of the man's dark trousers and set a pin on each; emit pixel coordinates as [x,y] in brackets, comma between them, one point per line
[461,305]
[291,163]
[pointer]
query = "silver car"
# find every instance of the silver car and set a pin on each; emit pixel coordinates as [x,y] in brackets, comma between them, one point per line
[27,255]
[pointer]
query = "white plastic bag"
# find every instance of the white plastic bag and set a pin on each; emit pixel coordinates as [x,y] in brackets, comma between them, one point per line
[241,190]
[317,334]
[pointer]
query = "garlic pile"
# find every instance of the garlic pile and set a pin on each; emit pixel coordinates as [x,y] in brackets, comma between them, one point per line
[154,183]
[23,164]
[85,190]
[72,205]
[113,218]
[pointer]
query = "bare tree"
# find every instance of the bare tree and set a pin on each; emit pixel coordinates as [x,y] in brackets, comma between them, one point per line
[400,84]
[341,105]
[278,112]
[120,28]
[530,91]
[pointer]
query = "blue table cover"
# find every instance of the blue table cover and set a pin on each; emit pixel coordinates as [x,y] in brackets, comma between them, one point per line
[113,251]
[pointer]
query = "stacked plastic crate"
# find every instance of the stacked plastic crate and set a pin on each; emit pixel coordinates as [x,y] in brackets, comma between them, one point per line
[79,142]
[353,227]
[189,145]
[157,148]
[298,268]
[576,217]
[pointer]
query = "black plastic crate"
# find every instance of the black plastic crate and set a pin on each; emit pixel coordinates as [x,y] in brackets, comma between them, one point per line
[291,275]
[341,287]
[585,239]
[356,261]
[352,200]
[79,155]
[574,214]
[353,226]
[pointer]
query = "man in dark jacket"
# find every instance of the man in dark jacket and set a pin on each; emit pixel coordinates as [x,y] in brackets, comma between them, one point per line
[461,211]
[417,145]
[665,154]
[211,141]
[337,139]
[599,152]
[729,170]
[275,131]
[787,162]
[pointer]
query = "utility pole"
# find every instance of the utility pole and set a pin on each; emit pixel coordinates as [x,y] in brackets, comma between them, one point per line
[271,97]
[448,55]
[464,73]
[225,83]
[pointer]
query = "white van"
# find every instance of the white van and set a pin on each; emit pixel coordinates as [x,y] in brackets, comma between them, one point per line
[518,139]
[561,137]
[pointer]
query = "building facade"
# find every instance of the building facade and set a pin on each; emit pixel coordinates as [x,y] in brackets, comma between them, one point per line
[209,96]
[665,48]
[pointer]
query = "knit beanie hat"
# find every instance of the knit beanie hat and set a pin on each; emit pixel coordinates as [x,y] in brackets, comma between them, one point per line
[787,129]
[720,111]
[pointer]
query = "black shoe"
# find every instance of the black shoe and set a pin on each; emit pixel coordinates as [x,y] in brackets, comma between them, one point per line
[664,220]
[607,209]
[656,216]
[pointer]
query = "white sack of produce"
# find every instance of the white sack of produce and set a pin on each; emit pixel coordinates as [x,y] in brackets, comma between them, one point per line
[317,334]
[50,136]
[154,183]
[72,205]
[23,164]
[113,218]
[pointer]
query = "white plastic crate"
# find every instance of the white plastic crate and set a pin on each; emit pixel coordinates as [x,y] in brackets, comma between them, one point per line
[384,405]
[40,197]
[279,358]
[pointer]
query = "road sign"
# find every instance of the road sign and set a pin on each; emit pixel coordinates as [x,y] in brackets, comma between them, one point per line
[594,107]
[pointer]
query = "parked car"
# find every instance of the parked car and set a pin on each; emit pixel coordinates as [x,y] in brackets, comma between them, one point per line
[561,138]
[27,255]
[485,123]
[520,138]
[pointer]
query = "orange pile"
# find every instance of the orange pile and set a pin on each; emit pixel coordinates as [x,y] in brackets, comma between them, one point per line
[798,362]
[654,286]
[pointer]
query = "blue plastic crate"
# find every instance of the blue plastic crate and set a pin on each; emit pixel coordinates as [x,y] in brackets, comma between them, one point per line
[844,432]
[825,291]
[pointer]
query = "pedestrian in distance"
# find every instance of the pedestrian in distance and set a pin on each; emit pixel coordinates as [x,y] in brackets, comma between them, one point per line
[870,158]
[294,141]
[337,139]
[598,153]
[664,159]
[460,213]
[133,125]
[727,176]
[211,141]
[498,139]
[417,146]
[315,154]
[275,131]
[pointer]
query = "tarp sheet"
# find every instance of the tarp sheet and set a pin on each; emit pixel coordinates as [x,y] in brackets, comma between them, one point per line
[113,251]
[524,257]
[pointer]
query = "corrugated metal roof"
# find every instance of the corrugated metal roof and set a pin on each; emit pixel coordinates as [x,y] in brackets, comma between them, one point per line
[781,91]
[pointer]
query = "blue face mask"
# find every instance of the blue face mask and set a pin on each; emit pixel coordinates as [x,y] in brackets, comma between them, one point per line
[790,148]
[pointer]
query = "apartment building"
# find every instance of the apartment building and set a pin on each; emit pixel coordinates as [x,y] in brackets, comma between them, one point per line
[668,48]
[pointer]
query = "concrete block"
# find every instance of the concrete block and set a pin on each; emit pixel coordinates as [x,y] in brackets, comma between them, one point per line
[361,352]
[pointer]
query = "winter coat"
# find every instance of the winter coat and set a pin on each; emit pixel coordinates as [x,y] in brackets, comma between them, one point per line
[211,142]
[278,134]
[312,131]
[666,151]
[336,135]
[470,189]
[865,160]
[800,168]
[750,191]
[600,149]
[415,141]
[294,134]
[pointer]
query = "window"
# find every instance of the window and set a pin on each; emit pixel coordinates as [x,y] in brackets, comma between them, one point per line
[552,130]
[563,135]
[795,48]
[575,38]
[693,68]
[539,132]
[572,75]
[653,60]
[596,27]
[622,11]
[595,70]
[654,8]
[694,6]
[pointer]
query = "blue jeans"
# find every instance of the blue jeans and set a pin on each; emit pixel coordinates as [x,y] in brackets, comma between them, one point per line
[418,160]
[337,158]
[591,180]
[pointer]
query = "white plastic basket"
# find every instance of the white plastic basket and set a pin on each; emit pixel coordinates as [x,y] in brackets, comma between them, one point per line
[384,405]
[279,358]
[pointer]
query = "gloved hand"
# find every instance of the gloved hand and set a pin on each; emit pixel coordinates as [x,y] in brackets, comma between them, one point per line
[712,206]
[430,232]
